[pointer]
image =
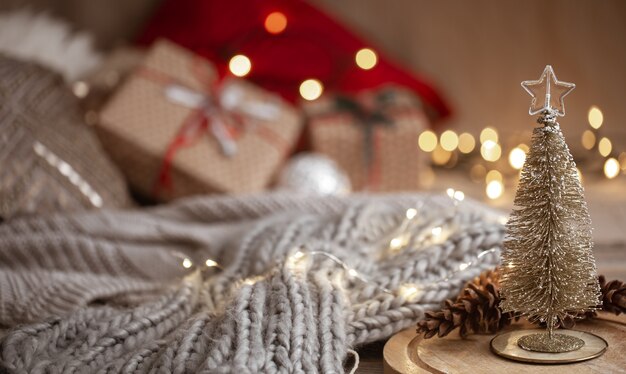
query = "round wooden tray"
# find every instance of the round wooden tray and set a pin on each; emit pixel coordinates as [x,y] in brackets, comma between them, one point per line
[408,353]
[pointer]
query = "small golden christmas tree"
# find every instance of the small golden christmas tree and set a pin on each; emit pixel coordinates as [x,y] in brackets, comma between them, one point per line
[548,271]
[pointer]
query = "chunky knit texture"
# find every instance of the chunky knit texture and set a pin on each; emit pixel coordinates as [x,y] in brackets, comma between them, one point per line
[106,292]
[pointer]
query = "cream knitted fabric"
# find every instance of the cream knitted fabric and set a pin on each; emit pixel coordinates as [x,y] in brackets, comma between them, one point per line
[105,291]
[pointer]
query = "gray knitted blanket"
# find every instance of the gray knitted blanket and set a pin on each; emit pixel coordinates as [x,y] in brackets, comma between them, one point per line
[106,292]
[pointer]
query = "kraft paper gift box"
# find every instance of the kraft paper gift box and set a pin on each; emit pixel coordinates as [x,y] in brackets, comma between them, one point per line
[175,129]
[373,136]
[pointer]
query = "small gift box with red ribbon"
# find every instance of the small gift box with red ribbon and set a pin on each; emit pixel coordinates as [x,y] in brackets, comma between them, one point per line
[176,129]
[373,136]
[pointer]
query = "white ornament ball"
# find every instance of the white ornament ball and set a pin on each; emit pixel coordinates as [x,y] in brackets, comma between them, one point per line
[314,173]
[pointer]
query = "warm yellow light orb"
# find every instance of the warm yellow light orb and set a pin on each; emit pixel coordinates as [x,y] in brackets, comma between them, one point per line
[490,151]
[488,133]
[427,141]
[240,65]
[494,189]
[187,263]
[611,168]
[408,291]
[605,147]
[517,157]
[411,213]
[440,156]
[366,58]
[210,263]
[311,89]
[275,22]
[459,196]
[449,140]
[493,175]
[588,139]
[466,142]
[595,117]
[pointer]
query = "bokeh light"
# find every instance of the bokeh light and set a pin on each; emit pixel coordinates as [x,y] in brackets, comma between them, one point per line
[517,157]
[491,151]
[240,65]
[449,140]
[588,139]
[595,117]
[440,156]
[366,58]
[466,142]
[605,147]
[311,89]
[611,168]
[493,175]
[275,22]
[494,189]
[488,133]
[427,141]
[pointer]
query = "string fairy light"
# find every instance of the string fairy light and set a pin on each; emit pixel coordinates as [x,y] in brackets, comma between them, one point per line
[402,236]
[408,291]
[301,259]
[456,195]
[411,291]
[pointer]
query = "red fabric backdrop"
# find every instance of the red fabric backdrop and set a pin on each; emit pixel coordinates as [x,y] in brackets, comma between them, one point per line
[313,45]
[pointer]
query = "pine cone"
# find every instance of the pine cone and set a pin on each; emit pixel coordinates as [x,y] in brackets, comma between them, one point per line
[475,311]
[485,278]
[613,297]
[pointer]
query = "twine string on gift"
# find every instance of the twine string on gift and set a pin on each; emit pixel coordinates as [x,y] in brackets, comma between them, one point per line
[369,117]
[217,108]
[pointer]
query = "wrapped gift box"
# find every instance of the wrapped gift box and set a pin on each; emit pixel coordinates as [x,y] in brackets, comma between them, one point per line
[373,137]
[176,129]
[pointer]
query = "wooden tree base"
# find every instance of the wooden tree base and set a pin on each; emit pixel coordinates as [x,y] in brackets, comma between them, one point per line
[408,353]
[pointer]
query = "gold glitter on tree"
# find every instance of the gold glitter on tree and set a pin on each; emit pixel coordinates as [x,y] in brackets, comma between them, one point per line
[548,271]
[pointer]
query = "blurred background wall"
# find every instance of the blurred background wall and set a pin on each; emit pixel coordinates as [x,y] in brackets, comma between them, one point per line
[476,51]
